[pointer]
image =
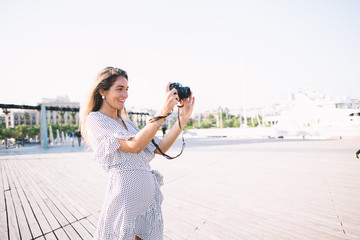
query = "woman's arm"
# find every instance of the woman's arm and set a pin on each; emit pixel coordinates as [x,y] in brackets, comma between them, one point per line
[145,135]
[185,113]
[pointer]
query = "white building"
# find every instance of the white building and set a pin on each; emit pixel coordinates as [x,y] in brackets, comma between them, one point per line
[308,112]
[28,117]
[58,117]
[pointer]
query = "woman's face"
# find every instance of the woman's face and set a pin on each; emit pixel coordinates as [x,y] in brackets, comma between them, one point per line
[117,94]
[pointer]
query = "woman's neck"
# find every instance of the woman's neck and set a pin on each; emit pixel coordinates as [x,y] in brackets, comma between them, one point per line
[113,113]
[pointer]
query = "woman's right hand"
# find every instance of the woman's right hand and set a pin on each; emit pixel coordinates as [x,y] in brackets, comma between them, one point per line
[171,99]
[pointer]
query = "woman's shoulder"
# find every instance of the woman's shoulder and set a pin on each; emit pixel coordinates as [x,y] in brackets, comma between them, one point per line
[92,115]
[95,117]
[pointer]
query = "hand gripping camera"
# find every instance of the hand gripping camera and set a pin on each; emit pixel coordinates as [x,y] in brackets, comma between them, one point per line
[183,92]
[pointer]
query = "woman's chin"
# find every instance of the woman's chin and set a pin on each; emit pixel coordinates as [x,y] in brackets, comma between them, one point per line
[120,107]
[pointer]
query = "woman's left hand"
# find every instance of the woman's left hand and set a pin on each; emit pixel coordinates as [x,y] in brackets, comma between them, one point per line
[187,109]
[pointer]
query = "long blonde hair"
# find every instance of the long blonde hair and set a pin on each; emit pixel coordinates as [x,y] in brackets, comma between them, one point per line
[104,80]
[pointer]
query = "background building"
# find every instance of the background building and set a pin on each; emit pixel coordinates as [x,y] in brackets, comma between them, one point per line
[15,118]
[61,117]
[2,118]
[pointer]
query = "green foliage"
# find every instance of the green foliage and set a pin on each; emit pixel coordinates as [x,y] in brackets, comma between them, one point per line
[34,131]
[67,128]
[206,124]
[8,133]
[2,129]
[228,121]
[21,131]
[5,111]
[190,124]
[233,122]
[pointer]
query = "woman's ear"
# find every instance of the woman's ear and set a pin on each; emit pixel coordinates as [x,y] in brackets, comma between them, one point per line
[102,92]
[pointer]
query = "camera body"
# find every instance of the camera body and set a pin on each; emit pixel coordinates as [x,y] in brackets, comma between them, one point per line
[183,92]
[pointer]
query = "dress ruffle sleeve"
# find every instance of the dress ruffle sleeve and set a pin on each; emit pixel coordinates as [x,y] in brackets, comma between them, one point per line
[109,145]
[104,137]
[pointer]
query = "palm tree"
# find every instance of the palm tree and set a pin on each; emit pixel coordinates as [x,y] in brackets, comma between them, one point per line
[61,119]
[73,120]
[21,132]
[26,115]
[6,112]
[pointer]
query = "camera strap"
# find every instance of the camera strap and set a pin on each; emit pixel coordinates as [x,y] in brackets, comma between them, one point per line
[182,137]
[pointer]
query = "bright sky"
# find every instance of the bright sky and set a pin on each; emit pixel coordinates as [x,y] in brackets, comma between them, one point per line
[225,51]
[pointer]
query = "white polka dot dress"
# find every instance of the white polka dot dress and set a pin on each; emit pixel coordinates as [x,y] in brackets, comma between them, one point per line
[132,204]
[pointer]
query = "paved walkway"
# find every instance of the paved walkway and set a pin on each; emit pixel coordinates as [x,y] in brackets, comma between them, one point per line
[218,189]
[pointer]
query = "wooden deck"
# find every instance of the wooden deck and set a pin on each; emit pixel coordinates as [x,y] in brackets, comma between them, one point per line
[218,189]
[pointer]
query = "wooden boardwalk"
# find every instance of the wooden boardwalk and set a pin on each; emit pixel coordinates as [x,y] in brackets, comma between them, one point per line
[218,189]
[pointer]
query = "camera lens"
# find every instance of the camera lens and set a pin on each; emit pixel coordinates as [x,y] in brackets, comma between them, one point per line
[183,92]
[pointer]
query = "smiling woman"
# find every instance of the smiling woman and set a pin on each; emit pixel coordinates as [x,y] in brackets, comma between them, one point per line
[103,82]
[132,207]
[115,97]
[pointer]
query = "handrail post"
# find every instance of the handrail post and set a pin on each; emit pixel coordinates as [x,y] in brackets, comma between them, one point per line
[43,128]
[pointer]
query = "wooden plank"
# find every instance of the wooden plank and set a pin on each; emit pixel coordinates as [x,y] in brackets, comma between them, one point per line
[12,221]
[23,225]
[50,236]
[6,185]
[13,227]
[85,201]
[61,234]
[2,186]
[70,231]
[265,191]
[73,209]
[26,204]
[54,209]
[67,208]
[35,203]
[3,224]
[3,212]
[41,198]
[93,219]
[90,228]
[56,203]
[60,214]
[81,230]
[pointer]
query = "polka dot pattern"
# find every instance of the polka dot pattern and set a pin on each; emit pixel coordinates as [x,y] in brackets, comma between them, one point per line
[132,204]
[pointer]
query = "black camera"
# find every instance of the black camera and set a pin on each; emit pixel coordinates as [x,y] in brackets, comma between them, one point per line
[183,92]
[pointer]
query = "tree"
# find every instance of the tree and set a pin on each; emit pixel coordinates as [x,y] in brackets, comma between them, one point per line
[2,127]
[190,124]
[8,133]
[61,119]
[26,116]
[66,128]
[6,112]
[21,132]
[5,132]
[34,131]
[73,119]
